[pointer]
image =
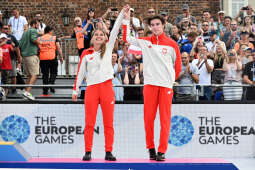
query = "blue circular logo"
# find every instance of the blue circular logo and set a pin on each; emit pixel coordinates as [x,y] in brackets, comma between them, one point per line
[15,128]
[182,131]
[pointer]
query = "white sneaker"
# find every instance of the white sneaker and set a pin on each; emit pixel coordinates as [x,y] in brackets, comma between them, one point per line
[28,95]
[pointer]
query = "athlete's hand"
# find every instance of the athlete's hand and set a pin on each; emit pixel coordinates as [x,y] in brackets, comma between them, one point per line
[74,97]
[127,12]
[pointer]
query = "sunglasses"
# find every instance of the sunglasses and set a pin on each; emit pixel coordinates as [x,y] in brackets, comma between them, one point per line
[205,25]
[151,12]
[91,9]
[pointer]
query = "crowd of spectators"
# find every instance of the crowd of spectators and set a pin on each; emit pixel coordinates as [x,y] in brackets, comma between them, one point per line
[217,49]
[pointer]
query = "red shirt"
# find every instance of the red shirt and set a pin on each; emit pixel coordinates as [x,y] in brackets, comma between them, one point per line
[6,63]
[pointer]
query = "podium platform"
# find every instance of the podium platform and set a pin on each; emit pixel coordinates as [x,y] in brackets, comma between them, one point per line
[140,164]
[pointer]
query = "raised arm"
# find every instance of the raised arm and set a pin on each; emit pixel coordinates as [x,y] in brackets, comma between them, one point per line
[115,30]
[126,29]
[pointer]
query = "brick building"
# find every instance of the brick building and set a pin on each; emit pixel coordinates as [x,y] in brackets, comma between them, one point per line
[52,10]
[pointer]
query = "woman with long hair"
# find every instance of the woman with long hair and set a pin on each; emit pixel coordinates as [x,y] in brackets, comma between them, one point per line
[233,76]
[96,68]
[218,58]
[248,26]
[88,27]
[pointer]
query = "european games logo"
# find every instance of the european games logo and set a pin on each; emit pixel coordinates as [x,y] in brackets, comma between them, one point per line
[182,131]
[14,128]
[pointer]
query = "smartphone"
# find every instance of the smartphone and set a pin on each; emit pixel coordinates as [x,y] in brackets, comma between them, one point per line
[114,9]
[95,20]
[245,8]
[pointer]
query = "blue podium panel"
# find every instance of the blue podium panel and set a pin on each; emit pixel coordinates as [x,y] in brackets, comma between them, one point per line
[10,151]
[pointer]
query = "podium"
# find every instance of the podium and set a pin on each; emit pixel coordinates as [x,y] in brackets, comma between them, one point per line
[12,151]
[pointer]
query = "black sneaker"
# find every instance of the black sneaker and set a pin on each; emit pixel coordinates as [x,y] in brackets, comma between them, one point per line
[153,154]
[52,90]
[109,157]
[160,157]
[87,156]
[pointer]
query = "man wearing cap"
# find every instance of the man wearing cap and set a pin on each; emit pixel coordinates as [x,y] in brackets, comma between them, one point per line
[5,65]
[244,39]
[214,40]
[168,26]
[249,78]
[185,14]
[134,22]
[220,22]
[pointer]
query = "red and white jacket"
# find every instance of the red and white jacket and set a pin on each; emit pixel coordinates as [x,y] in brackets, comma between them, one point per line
[161,57]
[94,69]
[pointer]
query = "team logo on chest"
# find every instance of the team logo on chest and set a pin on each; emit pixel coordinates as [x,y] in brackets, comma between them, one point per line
[164,51]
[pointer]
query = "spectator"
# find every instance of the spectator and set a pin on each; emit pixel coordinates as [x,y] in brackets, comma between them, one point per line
[48,46]
[211,45]
[195,48]
[248,26]
[118,91]
[244,39]
[132,76]
[207,18]
[205,31]
[245,11]
[18,24]
[249,78]
[193,28]
[188,75]
[220,22]
[5,64]
[186,44]
[232,36]
[218,75]
[185,26]
[177,34]
[151,12]
[140,32]
[205,68]
[226,26]
[29,51]
[168,26]
[134,22]
[185,14]
[42,25]
[87,25]
[14,55]
[244,54]
[233,76]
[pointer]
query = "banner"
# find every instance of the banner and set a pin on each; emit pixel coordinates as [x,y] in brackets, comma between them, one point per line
[197,130]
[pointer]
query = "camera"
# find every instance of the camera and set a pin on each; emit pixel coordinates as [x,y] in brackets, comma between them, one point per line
[245,8]
[95,20]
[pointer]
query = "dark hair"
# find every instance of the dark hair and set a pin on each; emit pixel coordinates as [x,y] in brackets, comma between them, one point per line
[206,11]
[89,10]
[192,35]
[148,32]
[47,29]
[156,17]
[1,25]
[139,29]
[32,22]
[228,17]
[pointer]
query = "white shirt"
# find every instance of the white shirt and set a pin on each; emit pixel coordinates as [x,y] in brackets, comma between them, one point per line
[18,25]
[98,70]
[204,76]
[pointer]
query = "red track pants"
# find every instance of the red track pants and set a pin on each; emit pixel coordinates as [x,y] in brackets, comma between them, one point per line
[154,96]
[99,93]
